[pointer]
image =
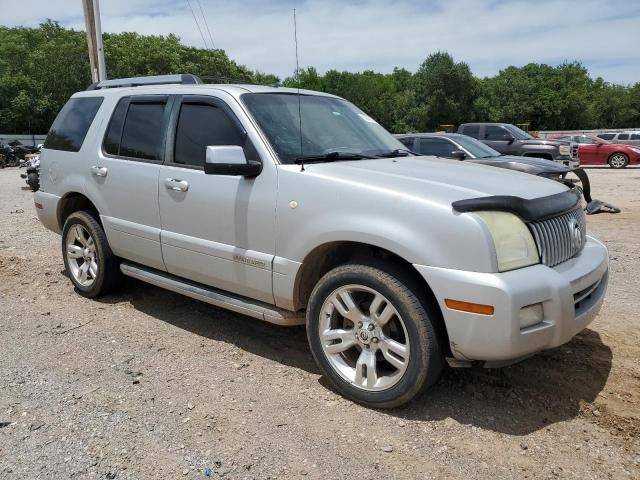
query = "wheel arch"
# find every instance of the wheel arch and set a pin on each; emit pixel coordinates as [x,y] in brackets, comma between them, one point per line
[73,202]
[328,256]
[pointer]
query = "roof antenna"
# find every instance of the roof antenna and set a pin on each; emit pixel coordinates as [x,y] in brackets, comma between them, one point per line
[295,37]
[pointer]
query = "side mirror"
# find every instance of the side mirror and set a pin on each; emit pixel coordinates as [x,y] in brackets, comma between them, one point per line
[458,155]
[230,160]
[507,138]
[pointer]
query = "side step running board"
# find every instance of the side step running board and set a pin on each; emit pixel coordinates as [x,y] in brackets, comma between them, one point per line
[219,298]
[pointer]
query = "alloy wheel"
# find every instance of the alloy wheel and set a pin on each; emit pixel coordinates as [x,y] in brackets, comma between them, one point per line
[364,338]
[81,255]
[618,160]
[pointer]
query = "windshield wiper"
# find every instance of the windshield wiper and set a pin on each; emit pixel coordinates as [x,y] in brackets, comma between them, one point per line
[331,157]
[396,153]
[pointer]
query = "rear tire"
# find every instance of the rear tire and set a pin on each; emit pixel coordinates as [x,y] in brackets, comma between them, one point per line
[92,267]
[372,337]
[618,160]
[33,180]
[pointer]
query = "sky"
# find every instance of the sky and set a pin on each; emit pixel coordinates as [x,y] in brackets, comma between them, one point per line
[377,35]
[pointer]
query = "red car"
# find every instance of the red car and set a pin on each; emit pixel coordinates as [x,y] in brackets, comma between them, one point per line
[596,151]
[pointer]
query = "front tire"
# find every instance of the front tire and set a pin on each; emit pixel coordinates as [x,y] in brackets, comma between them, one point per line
[372,337]
[618,160]
[88,259]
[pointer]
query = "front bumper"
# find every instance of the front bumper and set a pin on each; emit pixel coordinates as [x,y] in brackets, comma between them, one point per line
[571,295]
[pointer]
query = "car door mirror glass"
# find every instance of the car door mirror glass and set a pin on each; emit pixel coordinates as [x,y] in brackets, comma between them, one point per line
[229,160]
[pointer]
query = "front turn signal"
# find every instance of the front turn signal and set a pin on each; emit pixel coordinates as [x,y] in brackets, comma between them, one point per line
[469,307]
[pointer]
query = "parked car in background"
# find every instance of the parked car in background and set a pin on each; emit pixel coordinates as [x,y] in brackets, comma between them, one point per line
[511,140]
[463,147]
[593,150]
[621,138]
[394,262]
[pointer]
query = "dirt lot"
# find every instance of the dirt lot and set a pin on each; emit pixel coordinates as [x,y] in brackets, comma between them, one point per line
[148,384]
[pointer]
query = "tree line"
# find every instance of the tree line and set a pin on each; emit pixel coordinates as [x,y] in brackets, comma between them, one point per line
[41,67]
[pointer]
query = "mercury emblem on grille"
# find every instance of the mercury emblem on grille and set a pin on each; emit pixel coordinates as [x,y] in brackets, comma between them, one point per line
[576,233]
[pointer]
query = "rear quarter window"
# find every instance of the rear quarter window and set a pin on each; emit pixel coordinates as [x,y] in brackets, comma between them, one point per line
[72,124]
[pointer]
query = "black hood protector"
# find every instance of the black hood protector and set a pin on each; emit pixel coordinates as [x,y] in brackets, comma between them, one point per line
[529,210]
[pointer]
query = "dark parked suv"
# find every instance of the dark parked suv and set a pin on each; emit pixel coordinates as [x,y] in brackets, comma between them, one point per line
[510,140]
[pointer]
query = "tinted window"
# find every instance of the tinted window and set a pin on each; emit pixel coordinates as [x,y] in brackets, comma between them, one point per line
[407,142]
[200,126]
[143,131]
[607,136]
[491,132]
[471,130]
[436,146]
[72,123]
[623,136]
[114,132]
[635,136]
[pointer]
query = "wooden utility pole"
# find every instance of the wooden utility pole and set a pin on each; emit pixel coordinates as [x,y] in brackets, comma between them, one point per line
[94,39]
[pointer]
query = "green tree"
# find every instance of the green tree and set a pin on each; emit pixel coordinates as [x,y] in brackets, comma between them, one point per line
[40,68]
[447,88]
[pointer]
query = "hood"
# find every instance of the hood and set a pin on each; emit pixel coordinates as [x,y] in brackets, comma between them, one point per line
[435,179]
[531,165]
[540,141]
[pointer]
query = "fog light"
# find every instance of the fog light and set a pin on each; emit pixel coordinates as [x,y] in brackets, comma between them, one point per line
[531,315]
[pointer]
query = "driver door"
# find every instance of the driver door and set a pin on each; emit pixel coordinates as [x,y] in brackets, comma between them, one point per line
[218,230]
[494,136]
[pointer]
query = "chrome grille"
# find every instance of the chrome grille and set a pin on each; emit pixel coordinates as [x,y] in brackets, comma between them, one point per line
[561,237]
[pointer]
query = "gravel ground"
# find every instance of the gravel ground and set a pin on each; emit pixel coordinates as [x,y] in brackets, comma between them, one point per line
[149,384]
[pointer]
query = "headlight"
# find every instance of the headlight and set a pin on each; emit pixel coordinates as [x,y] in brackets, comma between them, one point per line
[565,150]
[515,247]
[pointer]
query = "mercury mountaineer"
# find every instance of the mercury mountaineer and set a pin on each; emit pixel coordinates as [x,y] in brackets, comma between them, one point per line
[295,207]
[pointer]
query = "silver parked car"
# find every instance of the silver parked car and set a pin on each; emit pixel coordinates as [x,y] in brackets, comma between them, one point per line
[224,193]
[624,138]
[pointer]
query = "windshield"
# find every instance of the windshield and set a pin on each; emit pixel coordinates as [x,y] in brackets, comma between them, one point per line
[329,125]
[518,133]
[475,147]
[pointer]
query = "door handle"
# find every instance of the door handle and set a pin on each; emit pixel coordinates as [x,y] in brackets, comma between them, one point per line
[99,171]
[176,185]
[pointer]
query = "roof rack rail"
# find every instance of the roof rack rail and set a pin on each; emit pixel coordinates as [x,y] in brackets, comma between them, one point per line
[180,78]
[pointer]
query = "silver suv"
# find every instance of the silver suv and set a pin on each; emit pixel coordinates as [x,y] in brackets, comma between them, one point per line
[295,207]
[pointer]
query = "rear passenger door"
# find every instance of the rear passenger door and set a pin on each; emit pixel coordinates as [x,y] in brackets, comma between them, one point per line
[218,230]
[124,177]
[622,138]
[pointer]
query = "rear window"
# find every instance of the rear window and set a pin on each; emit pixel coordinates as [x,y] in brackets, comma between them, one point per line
[136,129]
[72,123]
[143,131]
